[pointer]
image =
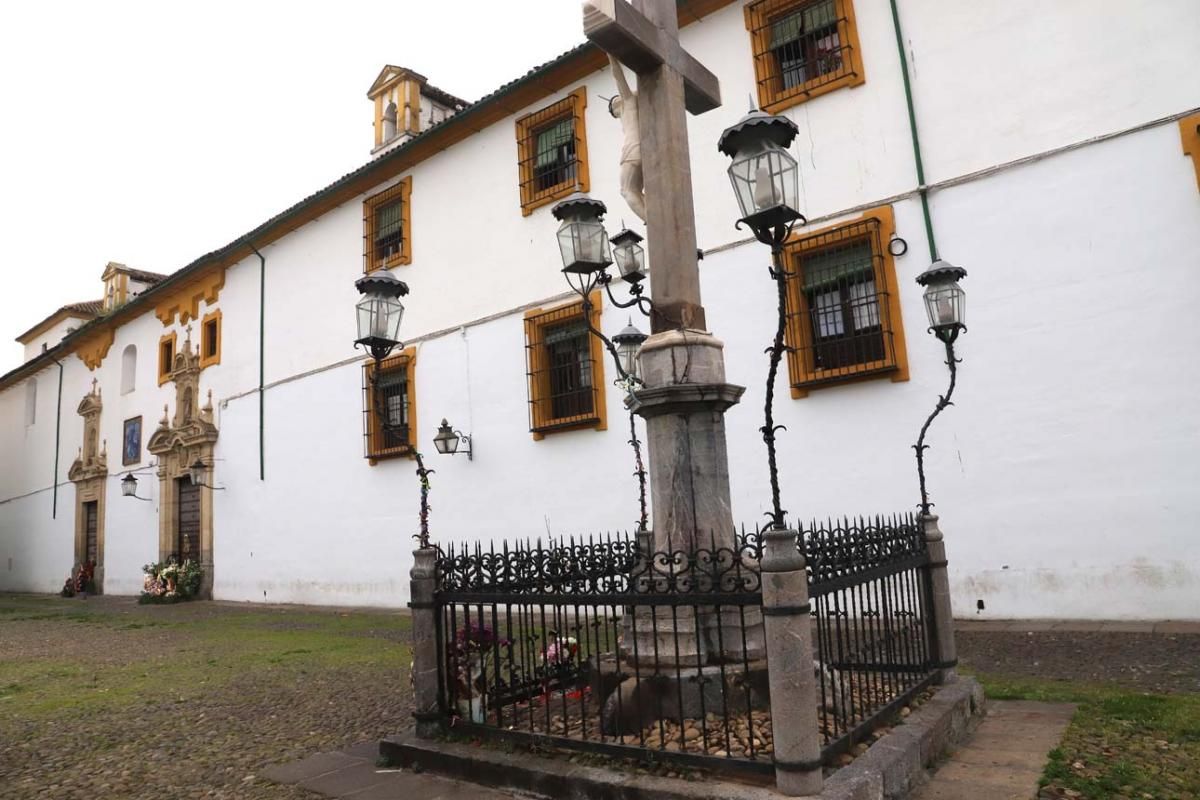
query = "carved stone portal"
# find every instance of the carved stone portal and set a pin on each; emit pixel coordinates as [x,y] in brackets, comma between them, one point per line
[179,442]
[89,473]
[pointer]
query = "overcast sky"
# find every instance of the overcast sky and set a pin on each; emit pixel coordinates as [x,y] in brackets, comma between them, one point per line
[150,133]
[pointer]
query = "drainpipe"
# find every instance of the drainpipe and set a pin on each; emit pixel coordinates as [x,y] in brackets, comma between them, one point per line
[57,437]
[916,139]
[262,310]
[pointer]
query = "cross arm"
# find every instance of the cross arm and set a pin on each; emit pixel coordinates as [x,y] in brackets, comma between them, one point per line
[625,33]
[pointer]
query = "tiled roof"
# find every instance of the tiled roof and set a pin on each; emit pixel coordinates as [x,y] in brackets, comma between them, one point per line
[88,308]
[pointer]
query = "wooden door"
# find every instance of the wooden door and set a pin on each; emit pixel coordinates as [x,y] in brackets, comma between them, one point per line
[188,539]
[90,519]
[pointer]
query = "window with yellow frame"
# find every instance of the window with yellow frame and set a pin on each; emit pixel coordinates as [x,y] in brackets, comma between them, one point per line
[843,307]
[565,367]
[387,227]
[166,357]
[390,407]
[210,339]
[552,152]
[802,49]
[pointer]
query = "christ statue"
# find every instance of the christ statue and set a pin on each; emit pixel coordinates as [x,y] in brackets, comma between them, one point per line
[624,106]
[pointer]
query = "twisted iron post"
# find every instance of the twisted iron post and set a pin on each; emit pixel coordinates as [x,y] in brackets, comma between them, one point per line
[776,350]
[640,472]
[423,474]
[943,402]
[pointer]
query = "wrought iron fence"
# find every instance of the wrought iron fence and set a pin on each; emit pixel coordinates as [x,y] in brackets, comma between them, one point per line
[605,644]
[868,585]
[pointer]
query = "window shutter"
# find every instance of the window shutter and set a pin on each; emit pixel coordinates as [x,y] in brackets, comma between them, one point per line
[551,139]
[826,271]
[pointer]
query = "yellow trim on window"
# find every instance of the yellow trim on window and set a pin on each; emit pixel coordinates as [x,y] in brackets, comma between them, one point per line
[573,106]
[207,360]
[1189,133]
[803,374]
[773,97]
[403,192]
[166,365]
[542,421]
[406,360]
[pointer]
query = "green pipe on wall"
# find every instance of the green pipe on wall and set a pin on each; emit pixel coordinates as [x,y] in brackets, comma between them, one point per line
[916,139]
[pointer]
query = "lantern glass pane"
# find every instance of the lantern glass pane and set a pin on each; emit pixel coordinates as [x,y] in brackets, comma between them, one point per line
[945,303]
[129,486]
[628,352]
[764,179]
[630,258]
[583,245]
[379,317]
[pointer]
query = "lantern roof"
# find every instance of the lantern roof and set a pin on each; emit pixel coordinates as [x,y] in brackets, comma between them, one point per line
[625,235]
[757,125]
[381,283]
[630,334]
[941,272]
[576,203]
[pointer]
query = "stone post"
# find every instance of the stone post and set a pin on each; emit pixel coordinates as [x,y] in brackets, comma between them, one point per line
[944,652]
[788,621]
[683,401]
[426,707]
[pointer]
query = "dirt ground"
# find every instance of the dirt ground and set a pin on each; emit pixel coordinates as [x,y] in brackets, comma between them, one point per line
[102,698]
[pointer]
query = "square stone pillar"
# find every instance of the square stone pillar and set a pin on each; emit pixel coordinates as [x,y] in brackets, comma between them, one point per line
[943,650]
[426,702]
[790,672]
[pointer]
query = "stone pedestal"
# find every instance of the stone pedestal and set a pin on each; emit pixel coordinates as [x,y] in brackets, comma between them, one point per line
[788,622]
[944,652]
[683,401]
[424,643]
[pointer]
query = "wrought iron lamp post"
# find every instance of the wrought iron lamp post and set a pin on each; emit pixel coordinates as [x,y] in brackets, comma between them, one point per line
[448,441]
[764,176]
[945,304]
[629,342]
[379,314]
[586,254]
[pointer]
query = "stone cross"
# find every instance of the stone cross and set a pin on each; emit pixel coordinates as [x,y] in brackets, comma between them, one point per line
[671,83]
[685,394]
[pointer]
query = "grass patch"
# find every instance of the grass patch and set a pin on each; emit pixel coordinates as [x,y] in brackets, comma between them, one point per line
[1121,744]
[169,658]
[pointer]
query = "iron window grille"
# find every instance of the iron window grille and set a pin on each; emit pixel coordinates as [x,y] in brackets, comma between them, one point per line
[802,48]
[552,152]
[565,369]
[843,317]
[389,408]
[387,228]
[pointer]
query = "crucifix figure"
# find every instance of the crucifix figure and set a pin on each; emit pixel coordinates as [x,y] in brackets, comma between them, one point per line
[624,107]
[685,395]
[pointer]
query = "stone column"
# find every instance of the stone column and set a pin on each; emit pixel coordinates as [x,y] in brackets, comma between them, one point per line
[683,401]
[941,619]
[426,706]
[788,621]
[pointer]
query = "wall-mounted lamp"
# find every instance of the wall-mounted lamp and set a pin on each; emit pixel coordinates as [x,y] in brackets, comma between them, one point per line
[448,441]
[129,487]
[197,472]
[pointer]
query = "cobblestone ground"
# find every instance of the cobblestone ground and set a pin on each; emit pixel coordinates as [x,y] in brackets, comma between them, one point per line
[102,698]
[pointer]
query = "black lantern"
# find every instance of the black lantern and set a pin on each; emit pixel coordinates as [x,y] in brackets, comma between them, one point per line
[582,240]
[447,441]
[196,472]
[629,342]
[129,485]
[629,256]
[765,176]
[945,300]
[380,312]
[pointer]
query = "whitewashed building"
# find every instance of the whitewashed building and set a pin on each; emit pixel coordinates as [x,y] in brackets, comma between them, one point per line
[1060,145]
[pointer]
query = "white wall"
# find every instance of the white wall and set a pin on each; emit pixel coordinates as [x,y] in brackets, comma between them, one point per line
[1064,472]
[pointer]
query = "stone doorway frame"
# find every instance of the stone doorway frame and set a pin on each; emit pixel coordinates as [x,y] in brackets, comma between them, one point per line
[179,442]
[89,473]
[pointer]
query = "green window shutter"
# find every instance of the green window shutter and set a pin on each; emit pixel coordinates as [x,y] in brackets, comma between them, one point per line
[387,220]
[551,138]
[809,19]
[824,271]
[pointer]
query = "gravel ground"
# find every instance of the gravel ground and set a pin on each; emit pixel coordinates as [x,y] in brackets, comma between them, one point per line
[102,698]
[1161,663]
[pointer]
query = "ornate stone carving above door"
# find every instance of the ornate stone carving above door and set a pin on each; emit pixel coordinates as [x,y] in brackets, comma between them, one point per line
[178,442]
